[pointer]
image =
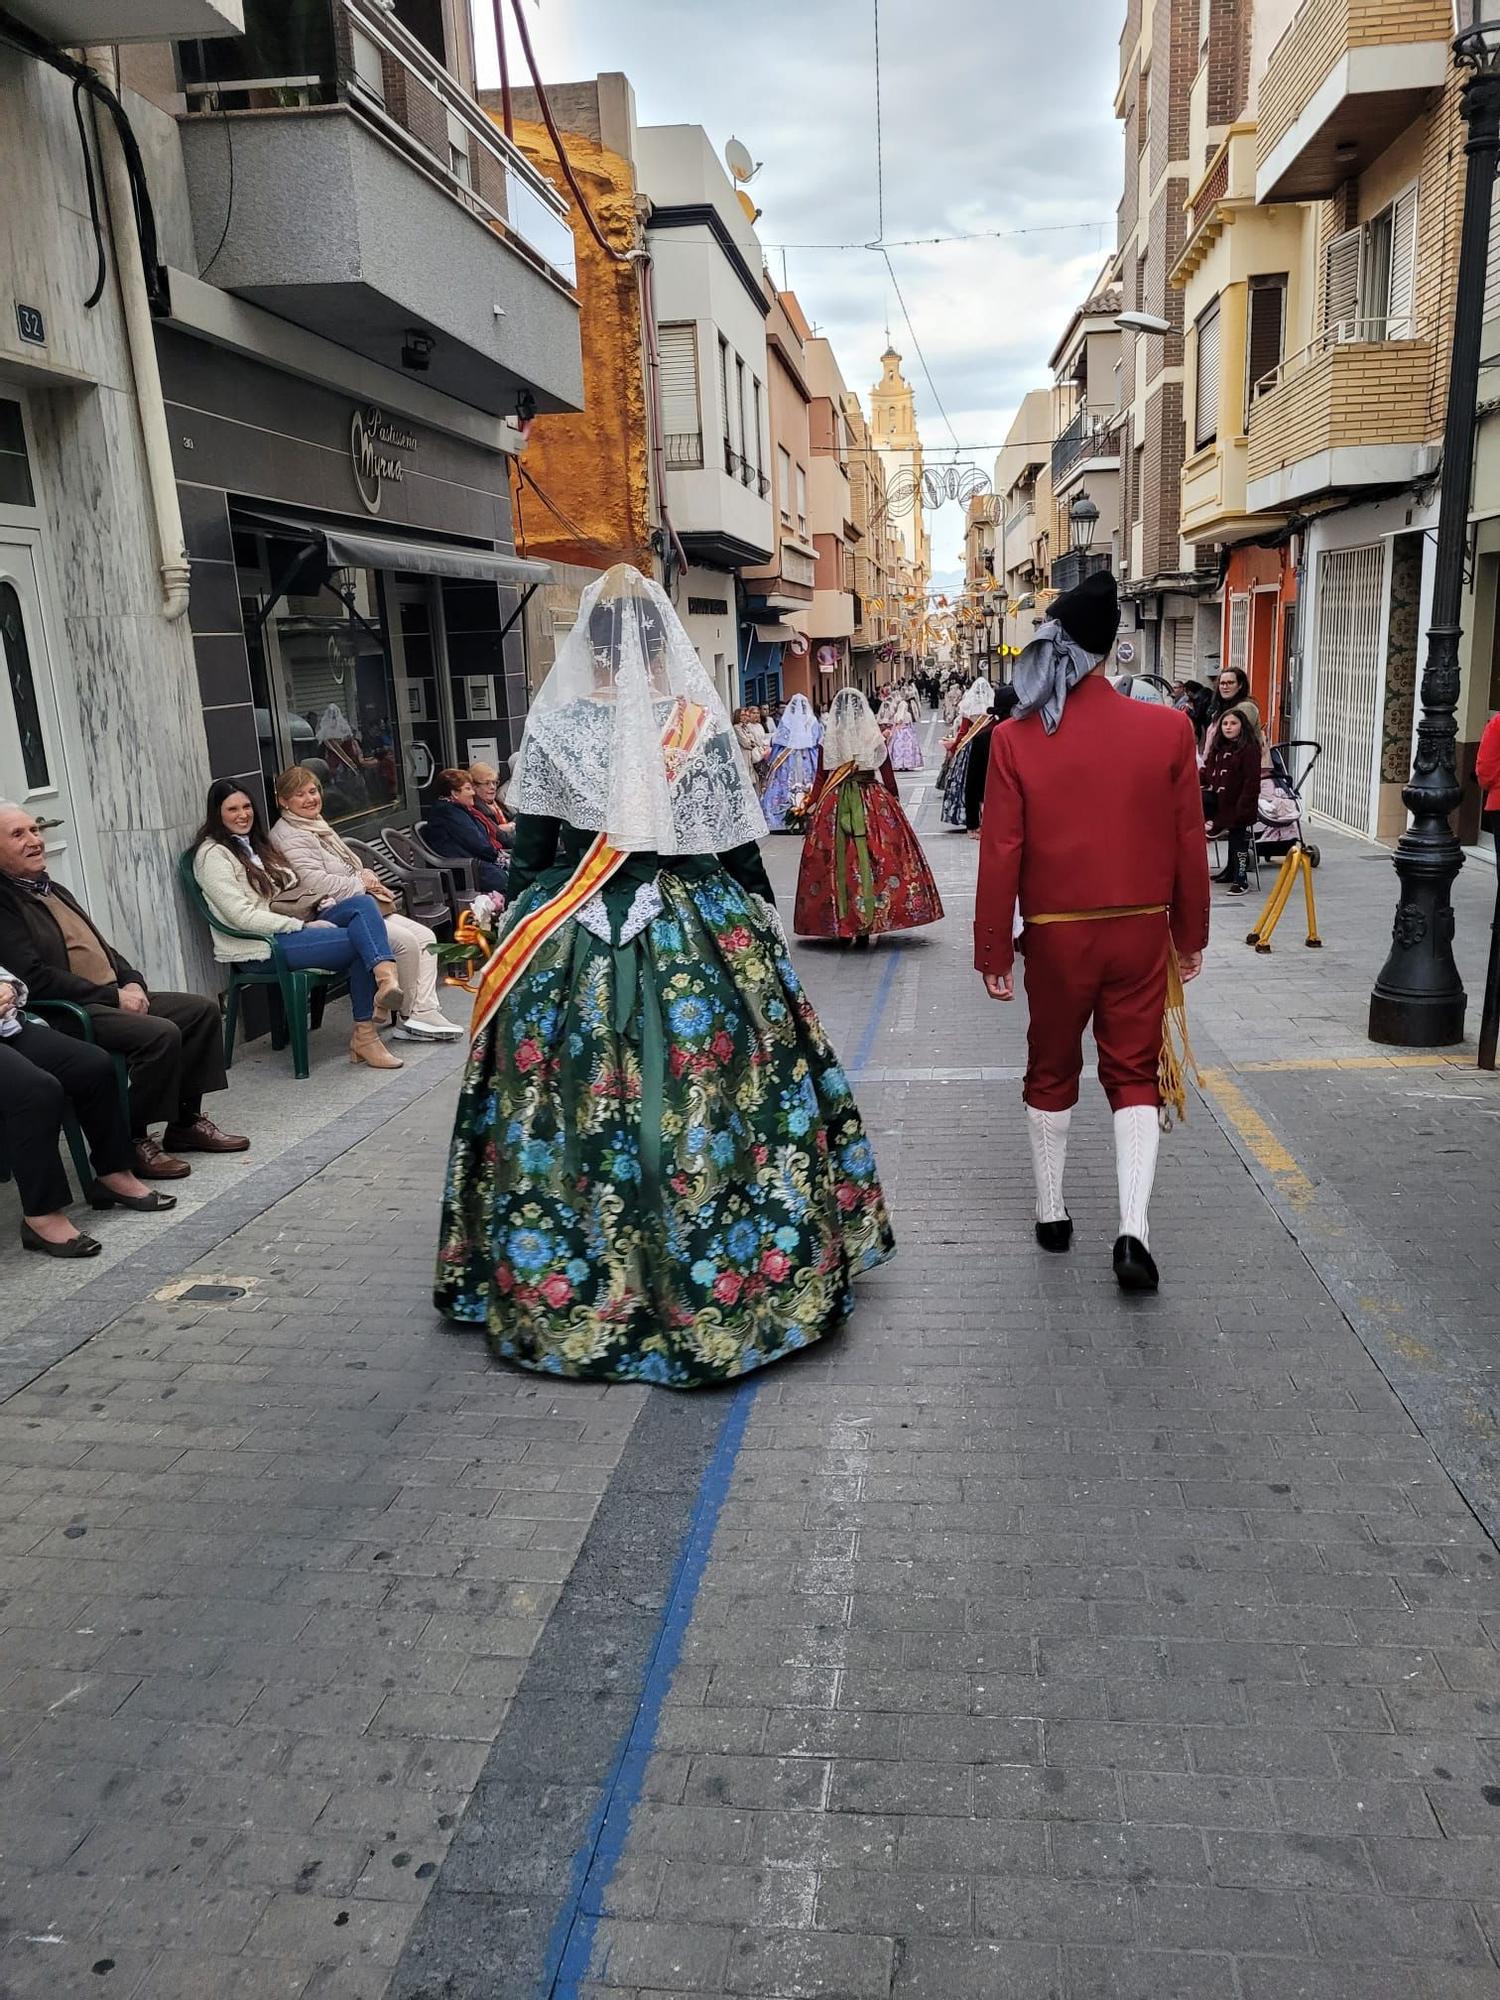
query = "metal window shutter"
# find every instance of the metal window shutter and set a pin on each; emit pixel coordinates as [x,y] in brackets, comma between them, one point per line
[1346,683]
[1180,637]
[678,347]
[1206,412]
[1492,263]
[1266,332]
[1239,634]
[1399,325]
[1341,268]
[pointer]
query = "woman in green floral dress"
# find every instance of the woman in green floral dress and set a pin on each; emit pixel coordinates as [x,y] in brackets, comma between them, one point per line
[658,1172]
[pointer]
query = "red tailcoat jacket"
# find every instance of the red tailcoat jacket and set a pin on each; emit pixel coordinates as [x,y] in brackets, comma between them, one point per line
[1106,814]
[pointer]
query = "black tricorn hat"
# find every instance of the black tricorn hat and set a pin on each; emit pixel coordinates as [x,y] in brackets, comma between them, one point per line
[1090,613]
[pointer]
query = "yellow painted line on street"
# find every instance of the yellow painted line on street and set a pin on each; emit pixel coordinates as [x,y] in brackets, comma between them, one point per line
[1283,1063]
[1259,1139]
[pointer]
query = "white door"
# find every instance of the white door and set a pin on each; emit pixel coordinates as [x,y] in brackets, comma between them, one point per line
[32,773]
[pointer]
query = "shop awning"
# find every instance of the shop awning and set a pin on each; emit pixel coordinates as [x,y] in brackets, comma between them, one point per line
[776,633]
[419,555]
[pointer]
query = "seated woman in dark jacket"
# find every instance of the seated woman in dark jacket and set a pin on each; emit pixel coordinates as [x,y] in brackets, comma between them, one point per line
[454,829]
[1231,795]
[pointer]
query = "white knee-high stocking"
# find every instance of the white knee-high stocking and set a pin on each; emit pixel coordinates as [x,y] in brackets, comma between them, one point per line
[1137,1141]
[1049,1156]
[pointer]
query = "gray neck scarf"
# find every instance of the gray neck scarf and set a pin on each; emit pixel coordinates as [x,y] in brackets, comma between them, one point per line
[1051,665]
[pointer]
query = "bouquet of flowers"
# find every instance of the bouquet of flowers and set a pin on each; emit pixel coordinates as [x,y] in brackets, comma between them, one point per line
[473,940]
[796,811]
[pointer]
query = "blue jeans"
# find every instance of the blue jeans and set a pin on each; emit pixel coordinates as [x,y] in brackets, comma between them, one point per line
[333,951]
[360,918]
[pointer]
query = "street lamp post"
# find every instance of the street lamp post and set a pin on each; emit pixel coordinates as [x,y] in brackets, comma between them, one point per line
[1083,518]
[1418,1000]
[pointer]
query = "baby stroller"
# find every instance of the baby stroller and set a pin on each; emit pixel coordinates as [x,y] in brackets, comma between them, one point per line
[1278,819]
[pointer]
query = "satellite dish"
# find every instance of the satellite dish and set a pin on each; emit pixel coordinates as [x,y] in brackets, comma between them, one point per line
[747,204]
[737,159]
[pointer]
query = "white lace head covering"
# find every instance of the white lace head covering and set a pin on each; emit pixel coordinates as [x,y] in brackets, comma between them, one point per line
[852,735]
[978,700]
[799,728]
[593,753]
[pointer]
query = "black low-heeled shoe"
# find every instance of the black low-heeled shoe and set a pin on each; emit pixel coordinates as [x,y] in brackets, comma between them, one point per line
[76,1246]
[1056,1236]
[153,1202]
[1135,1267]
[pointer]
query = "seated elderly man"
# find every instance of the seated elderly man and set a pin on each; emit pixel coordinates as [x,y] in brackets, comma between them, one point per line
[171,1042]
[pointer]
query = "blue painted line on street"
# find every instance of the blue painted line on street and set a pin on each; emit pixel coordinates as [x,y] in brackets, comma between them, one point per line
[877,1012]
[570,1948]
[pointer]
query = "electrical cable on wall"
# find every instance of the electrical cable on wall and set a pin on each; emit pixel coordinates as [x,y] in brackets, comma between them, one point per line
[101,273]
[15,34]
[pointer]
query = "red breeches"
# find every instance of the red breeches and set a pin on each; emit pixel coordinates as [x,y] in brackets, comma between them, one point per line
[1111,971]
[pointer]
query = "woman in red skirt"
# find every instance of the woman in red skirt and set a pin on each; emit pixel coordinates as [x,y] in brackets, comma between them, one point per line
[863,870]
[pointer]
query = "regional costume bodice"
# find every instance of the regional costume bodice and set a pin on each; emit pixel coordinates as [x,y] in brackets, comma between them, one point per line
[547,852]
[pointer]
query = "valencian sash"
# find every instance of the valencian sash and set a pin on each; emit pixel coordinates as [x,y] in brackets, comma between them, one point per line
[971,732]
[680,737]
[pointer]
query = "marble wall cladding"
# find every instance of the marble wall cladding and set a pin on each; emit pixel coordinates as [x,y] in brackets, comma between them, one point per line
[127,688]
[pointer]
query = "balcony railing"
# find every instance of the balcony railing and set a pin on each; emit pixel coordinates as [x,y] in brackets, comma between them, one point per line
[1329,417]
[1070,570]
[1087,436]
[684,449]
[1018,524]
[1341,333]
[355,53]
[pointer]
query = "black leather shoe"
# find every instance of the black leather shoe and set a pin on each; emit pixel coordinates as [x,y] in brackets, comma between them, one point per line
[72,1246]
[1056,1236]
[1135,1268]
[152,1202]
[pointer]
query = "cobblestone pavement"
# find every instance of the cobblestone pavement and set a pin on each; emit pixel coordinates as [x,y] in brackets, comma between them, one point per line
[1022,1641]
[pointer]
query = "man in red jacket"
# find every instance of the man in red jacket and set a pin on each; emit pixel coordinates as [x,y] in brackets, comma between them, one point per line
[1093,826]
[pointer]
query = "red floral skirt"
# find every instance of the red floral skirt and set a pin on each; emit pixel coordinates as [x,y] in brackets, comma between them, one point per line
[896,894]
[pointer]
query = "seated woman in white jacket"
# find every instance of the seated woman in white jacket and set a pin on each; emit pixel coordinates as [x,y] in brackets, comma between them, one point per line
[241,873]
[331,871]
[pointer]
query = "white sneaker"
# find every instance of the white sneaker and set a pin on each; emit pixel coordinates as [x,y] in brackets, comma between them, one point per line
[427,1030]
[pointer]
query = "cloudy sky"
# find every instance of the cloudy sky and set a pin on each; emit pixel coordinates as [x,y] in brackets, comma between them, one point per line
[997,116]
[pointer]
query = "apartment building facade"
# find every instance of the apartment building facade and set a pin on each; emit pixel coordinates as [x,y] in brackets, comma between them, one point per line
[874,643]
[1023,492]
[711,309]
[1317,284]
[832,616]
[1163,579]
[1087,418]
[778,595]
[258,483]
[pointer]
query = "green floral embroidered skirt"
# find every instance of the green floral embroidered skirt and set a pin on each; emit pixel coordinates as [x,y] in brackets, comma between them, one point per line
[658,1172]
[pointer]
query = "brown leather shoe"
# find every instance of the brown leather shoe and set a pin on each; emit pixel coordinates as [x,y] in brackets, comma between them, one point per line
[203,1136]
[152,1164]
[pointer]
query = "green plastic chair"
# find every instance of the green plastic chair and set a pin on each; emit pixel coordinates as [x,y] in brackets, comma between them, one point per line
[301,991]
[72,1130]
[72,1019]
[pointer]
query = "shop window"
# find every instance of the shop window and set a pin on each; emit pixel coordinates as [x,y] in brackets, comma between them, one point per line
[322,681]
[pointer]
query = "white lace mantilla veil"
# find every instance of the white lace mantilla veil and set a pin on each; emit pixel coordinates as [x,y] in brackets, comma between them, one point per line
[978,700]
[593,753]
[851,734]
[799,727]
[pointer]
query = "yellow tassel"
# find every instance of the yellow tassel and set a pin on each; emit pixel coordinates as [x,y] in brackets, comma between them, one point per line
[1178,1062]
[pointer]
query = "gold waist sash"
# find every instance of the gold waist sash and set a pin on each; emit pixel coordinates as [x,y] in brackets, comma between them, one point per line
[1090,916]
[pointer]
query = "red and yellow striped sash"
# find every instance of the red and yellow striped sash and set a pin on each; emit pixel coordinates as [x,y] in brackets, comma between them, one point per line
[515,950]
[680,737]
